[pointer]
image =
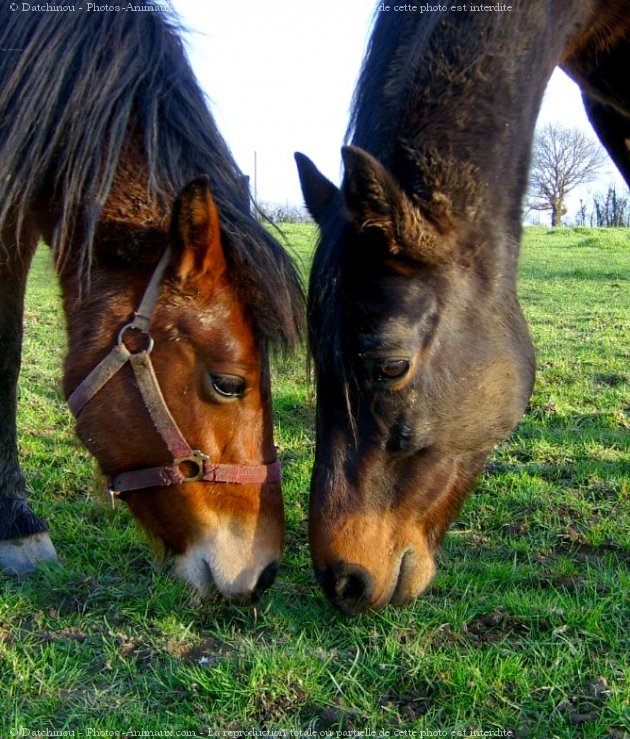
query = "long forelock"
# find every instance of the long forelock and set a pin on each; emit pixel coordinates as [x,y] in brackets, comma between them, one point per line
[327,313]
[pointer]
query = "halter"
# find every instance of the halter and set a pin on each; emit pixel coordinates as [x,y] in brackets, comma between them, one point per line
[184,456]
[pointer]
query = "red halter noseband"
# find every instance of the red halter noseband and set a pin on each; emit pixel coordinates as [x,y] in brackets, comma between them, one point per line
[184,456]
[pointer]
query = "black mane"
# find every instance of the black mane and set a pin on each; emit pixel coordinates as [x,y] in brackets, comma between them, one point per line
[73,88]
[421,68]
[380,95]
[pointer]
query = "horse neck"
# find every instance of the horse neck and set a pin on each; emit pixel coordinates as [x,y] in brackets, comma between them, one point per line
[462,93]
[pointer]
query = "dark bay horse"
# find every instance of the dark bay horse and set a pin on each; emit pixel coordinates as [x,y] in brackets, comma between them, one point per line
[422,355]
[173,294]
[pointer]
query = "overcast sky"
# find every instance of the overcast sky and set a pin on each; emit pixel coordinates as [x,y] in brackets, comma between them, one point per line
[280,74]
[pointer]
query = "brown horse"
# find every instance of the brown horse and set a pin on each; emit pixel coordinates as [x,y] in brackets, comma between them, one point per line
[422,355]
[172,302]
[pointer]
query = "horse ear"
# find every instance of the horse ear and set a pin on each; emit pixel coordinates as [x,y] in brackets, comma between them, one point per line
[196,232]
[318,191]
[376,201]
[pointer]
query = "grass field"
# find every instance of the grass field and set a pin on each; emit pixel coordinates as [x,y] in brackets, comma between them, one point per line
[525,629]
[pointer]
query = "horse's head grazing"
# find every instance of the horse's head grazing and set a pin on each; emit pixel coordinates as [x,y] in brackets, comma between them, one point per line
[423,362]
[213,374]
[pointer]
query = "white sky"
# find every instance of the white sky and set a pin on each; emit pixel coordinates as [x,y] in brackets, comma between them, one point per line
[280,74]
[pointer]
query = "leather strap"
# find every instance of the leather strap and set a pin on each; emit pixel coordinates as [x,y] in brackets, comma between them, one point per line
[142,316]
[156,405]
[172,475]
[99,376]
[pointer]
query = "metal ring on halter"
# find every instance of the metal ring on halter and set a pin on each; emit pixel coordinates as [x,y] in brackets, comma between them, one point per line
[197,458]
[129,326]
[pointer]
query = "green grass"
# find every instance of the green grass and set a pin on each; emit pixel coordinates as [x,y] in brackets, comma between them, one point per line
[525,627]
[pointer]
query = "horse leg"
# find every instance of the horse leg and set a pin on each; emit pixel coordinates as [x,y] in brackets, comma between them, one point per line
[24,539]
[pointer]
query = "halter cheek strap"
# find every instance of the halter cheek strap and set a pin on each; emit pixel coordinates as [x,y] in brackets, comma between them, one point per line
[188,464]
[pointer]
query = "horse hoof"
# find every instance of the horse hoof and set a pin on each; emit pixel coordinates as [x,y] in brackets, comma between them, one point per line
[23,556]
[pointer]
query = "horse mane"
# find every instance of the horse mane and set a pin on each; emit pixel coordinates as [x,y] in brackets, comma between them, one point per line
[74,87]
[378,98]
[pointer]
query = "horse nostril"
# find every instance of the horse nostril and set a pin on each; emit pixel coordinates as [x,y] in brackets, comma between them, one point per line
[266,579]
[348,586]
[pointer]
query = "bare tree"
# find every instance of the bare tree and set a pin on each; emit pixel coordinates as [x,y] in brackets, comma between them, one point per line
[563,159]
[279,213]
[611,209]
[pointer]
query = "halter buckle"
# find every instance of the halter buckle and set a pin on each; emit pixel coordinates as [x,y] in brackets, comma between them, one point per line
[197,458]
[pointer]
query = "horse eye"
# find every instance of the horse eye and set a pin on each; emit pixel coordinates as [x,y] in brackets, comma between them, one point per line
[391,369]
[228,386]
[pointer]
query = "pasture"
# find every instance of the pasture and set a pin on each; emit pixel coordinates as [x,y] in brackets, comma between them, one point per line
[525,628]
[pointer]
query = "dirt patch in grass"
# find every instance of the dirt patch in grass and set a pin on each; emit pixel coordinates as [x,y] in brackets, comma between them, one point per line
[70,634]
[577,584]
[272,707]
[612,380]
[410,704]
[586,703]
[337,716]
[575,546]
[489,628]
[6,634]
[495,626]
[207,653]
